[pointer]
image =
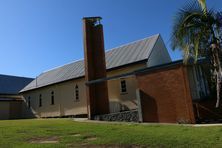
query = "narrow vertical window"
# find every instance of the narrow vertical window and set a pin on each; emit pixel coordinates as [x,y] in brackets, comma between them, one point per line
[40,100]
[77,93]
[52,98]
[29,102]
[123,86]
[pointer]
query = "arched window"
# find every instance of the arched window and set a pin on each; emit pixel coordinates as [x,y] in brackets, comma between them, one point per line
[52,98]
[40,100]
[123,86]
[77,93]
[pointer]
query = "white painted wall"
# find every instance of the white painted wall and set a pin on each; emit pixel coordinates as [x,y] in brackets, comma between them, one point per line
[64,96]
[159,55]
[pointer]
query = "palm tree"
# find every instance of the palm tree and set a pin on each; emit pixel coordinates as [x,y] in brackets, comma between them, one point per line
[197,32]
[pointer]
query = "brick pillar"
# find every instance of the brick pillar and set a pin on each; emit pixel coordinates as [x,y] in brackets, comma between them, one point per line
[95,67]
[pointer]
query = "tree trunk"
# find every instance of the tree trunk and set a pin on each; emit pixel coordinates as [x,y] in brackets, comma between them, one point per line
[217,70]
[218,81]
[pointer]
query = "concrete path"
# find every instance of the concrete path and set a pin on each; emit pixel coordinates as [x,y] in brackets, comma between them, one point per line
[205,125]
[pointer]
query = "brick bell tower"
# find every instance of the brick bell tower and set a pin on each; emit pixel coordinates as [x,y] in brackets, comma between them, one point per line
[95,67]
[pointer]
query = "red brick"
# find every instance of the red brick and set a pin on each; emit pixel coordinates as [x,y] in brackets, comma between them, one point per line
[165,95]
[95,68]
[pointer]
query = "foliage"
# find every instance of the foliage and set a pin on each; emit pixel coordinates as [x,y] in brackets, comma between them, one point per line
[197,32]
[219,18]
[192,30]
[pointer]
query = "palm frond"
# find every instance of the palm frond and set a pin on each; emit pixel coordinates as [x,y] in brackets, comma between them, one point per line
[191,27]
[196,47]
[187,13]
[203,5]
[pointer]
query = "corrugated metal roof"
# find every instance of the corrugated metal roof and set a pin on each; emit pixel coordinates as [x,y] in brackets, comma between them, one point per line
[13,84]
[122,55]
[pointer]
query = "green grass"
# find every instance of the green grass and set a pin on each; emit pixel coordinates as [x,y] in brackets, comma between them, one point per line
[29,133]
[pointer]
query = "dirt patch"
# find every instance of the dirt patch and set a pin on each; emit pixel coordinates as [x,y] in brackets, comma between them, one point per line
[91,138]
[53,139]
[85,145]
[76,135]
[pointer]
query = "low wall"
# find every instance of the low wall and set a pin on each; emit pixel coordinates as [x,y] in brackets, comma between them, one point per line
[127,116]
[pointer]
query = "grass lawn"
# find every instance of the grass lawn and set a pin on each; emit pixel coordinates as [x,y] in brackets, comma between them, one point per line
[67,133]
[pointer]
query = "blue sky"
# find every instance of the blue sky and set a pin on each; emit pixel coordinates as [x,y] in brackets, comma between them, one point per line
[38,35]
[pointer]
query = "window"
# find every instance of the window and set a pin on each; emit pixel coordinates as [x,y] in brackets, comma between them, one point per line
[123,86]
[29,102]
[52,98]
[77,93]
[40,100]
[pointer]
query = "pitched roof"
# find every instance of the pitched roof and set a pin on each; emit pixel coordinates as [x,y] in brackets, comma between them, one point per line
[12,84]
[10,99]
[119,56]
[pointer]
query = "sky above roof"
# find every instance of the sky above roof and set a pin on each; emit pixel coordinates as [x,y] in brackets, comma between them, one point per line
[38,35]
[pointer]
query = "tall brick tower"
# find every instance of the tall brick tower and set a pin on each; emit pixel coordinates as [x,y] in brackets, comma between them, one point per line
[95,67]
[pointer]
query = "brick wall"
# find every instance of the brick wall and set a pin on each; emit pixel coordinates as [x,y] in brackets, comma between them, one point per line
[165,95]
